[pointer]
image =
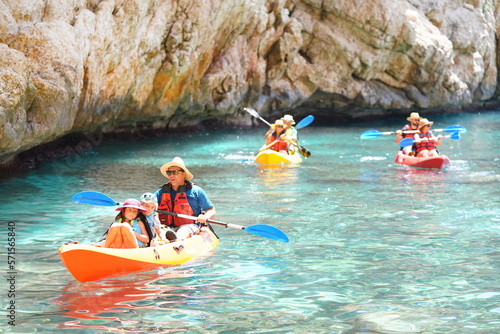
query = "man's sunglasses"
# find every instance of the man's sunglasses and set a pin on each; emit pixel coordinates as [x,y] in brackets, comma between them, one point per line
[175,172]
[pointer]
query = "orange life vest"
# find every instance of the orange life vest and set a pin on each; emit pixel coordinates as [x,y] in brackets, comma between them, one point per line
[407,127]
[179,204]
[425,145]
[280,145]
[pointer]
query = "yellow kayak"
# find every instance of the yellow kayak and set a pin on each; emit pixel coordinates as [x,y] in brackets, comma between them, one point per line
[91,263]
[271,157]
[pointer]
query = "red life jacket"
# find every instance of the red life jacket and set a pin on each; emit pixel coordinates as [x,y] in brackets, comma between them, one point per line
[280,145]
[407,127]
[179,204]
[425,145]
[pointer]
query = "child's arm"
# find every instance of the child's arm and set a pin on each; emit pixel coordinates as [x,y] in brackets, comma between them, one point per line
[143,236]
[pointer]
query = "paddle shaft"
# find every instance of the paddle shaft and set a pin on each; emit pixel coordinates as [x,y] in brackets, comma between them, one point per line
[410,141]
[261,230]
[180,215]
[263,120]
[302,124]
[452,136]
[414,131]
[409,131]
[374,133]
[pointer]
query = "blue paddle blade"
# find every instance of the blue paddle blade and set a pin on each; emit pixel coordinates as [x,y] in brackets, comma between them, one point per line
[455,135]
[267,231]
[370,134]
[304,122]
[406,142]
[94,198]
[455,128]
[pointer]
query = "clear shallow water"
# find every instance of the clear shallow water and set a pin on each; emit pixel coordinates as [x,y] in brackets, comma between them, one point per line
[375,247]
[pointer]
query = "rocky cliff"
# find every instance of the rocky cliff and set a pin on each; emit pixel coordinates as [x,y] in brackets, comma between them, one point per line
[75,66]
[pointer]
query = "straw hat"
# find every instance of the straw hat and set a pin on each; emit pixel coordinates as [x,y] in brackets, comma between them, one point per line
[178,162]
[413,115]
[131,203]
[423,122]
[288,118]
[278,122]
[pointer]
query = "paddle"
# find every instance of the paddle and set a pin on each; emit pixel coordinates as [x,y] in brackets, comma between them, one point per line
[304,122]
[267,231]
[261,230]
[300,125]
[374,133]
[94,198]
[410,141]
[255,114]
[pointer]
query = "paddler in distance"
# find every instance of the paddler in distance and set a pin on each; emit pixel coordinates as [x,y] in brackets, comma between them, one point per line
[414,119]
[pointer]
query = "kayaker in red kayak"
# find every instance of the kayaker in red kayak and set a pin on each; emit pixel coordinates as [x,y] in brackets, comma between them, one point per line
[180,195]
[129,229]
[425,141]
[414,120]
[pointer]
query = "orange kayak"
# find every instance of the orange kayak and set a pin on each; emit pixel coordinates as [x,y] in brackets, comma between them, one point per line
[91,263]
[434,162]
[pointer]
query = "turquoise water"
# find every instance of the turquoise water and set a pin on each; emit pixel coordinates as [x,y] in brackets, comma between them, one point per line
[374,247]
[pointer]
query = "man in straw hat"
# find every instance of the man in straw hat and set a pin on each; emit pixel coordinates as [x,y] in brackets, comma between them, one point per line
[425,141]
[180,195]
[412,126]
[290,130]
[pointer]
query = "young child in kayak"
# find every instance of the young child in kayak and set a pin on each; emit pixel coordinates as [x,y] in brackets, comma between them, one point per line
[130,229]
[425,141]
[150,203]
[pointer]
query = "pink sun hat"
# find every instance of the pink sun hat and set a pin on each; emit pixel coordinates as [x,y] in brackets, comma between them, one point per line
[131,203]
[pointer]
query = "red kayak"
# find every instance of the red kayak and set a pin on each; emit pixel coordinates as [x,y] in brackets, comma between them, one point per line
[436,162]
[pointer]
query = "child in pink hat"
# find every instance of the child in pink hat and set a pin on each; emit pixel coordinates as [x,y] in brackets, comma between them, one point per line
[130,229]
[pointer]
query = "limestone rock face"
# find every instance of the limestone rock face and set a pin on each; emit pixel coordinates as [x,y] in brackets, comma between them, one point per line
[71,66]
